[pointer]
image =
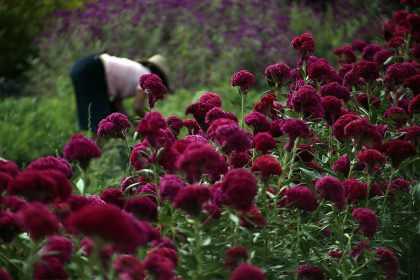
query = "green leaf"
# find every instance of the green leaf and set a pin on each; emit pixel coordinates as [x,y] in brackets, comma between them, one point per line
[80,185]
[234,218]
[390,60]
[311,175]
[206,241]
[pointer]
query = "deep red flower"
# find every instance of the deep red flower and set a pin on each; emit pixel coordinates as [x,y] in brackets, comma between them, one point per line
[9,226]
[304,44]
[355,190]
[50,162]
[154,88]
[277,74]
[247,271]
[217,113]
[199,110]
[143,207]
[129,268]
[258,122]
[58,247]
[4,275]
[168,155]
[362,133]
[397,73]
[395,42]
[339,125]
[359,249]
[367,70]
[367,220]
[240,159]
[139,157]
[175,123]
[253,219]
[294,128]
[5,179]
[388,261]
[344,69]
[267,166]
[264,142]
[307,101]
[413,83]
[37,220]
[337,90]
[307,271]
[269,106]
[231,137]
[335,254]
[192,126]
[211,98]
[369,51]
[332,108]
[114,126]
[322,72]
[169,186]
[342,165]
[192,198]
[159,266]
[239,189]
[396,115]
[301,197]
[364,100]
[398,151]
[401,185]
[50,268]
[371,157]
[9,167]
[113,196]
[235,255]
[332,189]
[244,80]
[381,56]
[358,45]
[411,134]
[414,105]
[82,149]
[305,152]
[345,54]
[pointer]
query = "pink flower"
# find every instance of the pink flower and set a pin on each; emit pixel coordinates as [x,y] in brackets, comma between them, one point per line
[307,271]
[388,261]
[381,56]
[342,165]
[247,271]
[169,186]
[199,110]
[4,275]
[322,72]
[217,113]
[153,128]
[307,101]
[9,167]
[81,149]
[37,220]
[58,247]
[5,179]
[367,220]
[192,126]
[50,162]
[267,166]
[113,196]
[114,126]
[277,74]
[301,197]
[129,268]
[337,90]
[355,190]
[211,98]
[294,128]
[258,122]
[153,87]
[264,142]
[331,188]
[192,198]
[239,189]
[244,80]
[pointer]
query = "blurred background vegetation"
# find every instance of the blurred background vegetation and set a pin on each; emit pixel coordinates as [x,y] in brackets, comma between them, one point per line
[206,42]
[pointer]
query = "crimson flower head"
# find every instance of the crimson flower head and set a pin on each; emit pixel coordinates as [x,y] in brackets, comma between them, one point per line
[154,88]
[50,162]
[367,70]
[294,128]
[143,207]
[398,151]
[342,165]
[371,157]
[159,266]
[369,51]
[307,271]
[192,198]
[264,142]
[267,166]
[49,268]
[301,197]
[129,267]
[244,80]
[356,190]
[337,90]
[305,152]
[362,133]
[232,138]
[388,261]
[345,54]
[139,157]
[321,71]
[413,83]
[113,196]
[381,56]
[332,189]
[359,249]
[218,113]
[58,247]
[199,110]
[367,220]
[240,159]
[4,275]
[304,44]
[81,149]
[277,74]
[358,45]
[9,226]
[153,128]
[332,107]
[169,186]
[364,100]
[269,106]
[235,255]
[307,101]
[258,122]
[414,105]
[396,74]
[9,167]
[37,220]
[114,126]
[239,189]
[247,271]
[212,99]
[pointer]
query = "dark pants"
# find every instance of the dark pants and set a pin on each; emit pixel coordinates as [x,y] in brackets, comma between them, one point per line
[89,82]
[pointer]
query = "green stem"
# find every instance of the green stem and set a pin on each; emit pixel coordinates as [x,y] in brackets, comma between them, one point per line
[242,109]
[297,240]
[197,250]
[357,270]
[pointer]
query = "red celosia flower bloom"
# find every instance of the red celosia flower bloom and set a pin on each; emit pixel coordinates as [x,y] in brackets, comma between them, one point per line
[9,167]
[235,255]
[113,196]
[412,134]
[239,189]
[253,219]
[37,219]
[414,105]
[367,70]
[388,261]
[168,156]
[398,151]
[358,45]
[397,73]
[143,207]
[277,74]
[58,247]
[363,100]
[415,51]
[267,166]
[369,51]
[192,198]
[305,152]
[371,157]
[166,252]
[240,159]
[128,182]
[44,186]
[335,254]
[362,133]
[192,126]
[301,197]
[356,190]
[336,90]
[9,226]
[211,132]
[342,165]
[139,157]
[12,203]
[211,98]
[50,268]
[381,56]
[114,126]
[396,115]
[232,138]
[258,122]
[269,106]
[4,275]
[212,211]
[264,142]
[129,268]
[358,250]
[332,107]
[294,128]
[332,189]
[395,42]
[153,128]
[400,17]
[169,186]
[153,87]
[82,149]
[367,220]
[345,54]
[199,111]
[351,79]
[196,139]
[414,24]
[307,271]
[307,101]
[344,69]
[247,271]
[304,44]
[322,72]
[50,162]
[175,123]
[218,113]
[159,267]
[195,159]
[338,128]
[413,83]
[110,224]
[244,80]
[400,185]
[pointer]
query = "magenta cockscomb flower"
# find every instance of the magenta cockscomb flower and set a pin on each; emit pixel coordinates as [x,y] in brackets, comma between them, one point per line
[307,101]
[169,186]
[244,80]
[413,83]
[342,165]
[139,157]
[396,74]
[218,113]
[247,271]
[264,142]
[345,54]
[58,247]
[364,100]
[337,254]
[154,88]
[159,266]
[175,123]
[322,72]
[235,255]
[9,167]
[381,56]
[192,126]
[367,70]
[277,74]
[239,189]
[355,190]
[143,207]
[49,268]
[113,196]
[192,198]
[398,151]
[231,137]
[304,44]
[212,99]
[267,166]
[114,126]
[50,162]
[269,106]
[369,51]
[333,190]
[414,105]
[396,115]
[9,226]
[294,128]
[258,122]
[153,128]
[367,220]
[358,45]
[359,249]
[199,110]
[362,133]
[388,261]
[337,90]
[332,108]
[307,271]
[37,220]
[81,149]
[129,267]
[301,197]
[240,159]
[371,157]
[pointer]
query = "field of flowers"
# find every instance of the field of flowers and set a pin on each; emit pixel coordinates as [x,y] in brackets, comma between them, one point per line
[316,179]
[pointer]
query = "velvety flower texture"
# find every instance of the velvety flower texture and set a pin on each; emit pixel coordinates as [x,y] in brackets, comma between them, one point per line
[371,157]
[397,73]
[332,189]
[367,70]
[396,115]
[335,254]
[235,255]
[232,138]
[364,100]
[370,50]
[153,128]
[114,126]
[258,122]
[362,133]
[247,271]
[9,167]
[345,54]
[414,105]
[339,125]
[169,186]
[342,165]
[398,151]
[143,207]
[37,220]
[139,156]
[218,113]
[267,166]
[239,189]
[240,159]
[129,268]
[367,220]
[307,271]
[277,74]
[159,267]
[82,149]
[269,106]
[301,197]
[355,190]
[58,247]
[359,249]
[50,162]
[304,44]
[113,196]
[153,87]
[332,107]
[244,80]
[50,268]
[337,90]
[388,261]
[307,101]
[192,198]
[9,226]
[264,142]
[322,72]
[211,98]
[413,83]
[294,128]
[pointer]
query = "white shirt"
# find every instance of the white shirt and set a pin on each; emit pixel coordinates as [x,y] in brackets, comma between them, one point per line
[122,76]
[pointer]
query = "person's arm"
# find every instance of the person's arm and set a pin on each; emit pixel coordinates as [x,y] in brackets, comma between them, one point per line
[139,100]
